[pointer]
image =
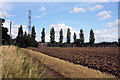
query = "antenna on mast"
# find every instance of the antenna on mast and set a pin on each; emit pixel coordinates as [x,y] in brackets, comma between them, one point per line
[29,25]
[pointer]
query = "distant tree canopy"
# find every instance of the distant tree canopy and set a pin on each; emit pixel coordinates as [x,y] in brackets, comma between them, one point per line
[33,33]
[25,40]
[74,37]
[5,36]
[92,37]
[19,40]
[61,36]
[43,36]
[52,35]
[68,36]
[81,37]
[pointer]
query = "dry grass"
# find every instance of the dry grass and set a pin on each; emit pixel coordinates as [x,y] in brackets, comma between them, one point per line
[68,69]
[17,64]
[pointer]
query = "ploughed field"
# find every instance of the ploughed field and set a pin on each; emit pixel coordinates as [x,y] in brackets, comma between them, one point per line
[105,59]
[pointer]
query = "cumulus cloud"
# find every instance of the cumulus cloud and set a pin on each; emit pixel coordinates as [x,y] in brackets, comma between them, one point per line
[113,24]
[64,27]
[97,7]
[106,35]
[5,14]
[77,10]
[42,8]
[104,15]
[14,29]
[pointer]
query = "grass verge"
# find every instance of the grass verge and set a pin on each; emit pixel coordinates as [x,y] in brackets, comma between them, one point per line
[17,64]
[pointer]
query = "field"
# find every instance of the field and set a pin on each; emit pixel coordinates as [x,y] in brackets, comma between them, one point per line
[17,64]
[25,63]
[104,59]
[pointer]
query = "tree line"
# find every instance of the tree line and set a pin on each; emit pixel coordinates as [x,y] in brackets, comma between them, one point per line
[28,40]
[68,38]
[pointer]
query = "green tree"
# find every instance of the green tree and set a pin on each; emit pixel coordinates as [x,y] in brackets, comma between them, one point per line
[20,36]
[92,37]
[5,36]
[61,36]
[52,35]
[33,34]
[81,37]
[68,35]
[43,35]
[74,37]
[25,34]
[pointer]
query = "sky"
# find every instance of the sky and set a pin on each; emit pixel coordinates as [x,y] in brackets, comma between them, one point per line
[102,17]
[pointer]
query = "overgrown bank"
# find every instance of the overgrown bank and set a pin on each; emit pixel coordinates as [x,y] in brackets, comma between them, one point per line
[17,64]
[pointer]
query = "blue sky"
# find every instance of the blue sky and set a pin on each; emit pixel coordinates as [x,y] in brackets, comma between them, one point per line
[102,17]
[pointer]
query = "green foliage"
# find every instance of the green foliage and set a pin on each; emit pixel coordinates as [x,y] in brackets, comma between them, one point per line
[33,33]
[43,35]
[68,36]
[5,36]
[5,43]
[74,37]
[52,35]
[19,40]
[81,37]
[26,40]
[77,42]
[61,37]
[92,37]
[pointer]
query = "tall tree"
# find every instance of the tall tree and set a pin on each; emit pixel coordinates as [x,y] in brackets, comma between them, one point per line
[74,37]
[52,35]
[33,34]
[20,36]
[25,34]
[5,36]
[81,36]
[92,37]
[68,35]
[61,36]
[43,35]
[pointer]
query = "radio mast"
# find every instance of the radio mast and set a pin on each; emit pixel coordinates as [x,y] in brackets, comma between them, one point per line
[29,21]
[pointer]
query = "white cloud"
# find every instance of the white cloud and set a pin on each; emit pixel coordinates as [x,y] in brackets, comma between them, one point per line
[5,14]
[113,24]
[77,10]
[42,8]
[97,7]
[14,29]
[38,16]
[43,14]
[106,35]
[104,15]
[64,27]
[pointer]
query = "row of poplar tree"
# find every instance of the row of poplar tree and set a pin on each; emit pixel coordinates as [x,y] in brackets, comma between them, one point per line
[68,39]
[24,40]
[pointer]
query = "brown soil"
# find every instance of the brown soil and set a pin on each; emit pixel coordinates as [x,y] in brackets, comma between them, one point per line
[104,59]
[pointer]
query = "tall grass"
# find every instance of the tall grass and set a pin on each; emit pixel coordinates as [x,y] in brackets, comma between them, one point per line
[17,64]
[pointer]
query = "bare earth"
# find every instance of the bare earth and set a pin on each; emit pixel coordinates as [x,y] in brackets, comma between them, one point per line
[104,59]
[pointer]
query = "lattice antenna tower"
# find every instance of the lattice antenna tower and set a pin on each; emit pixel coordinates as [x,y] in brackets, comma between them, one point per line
[29,25]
